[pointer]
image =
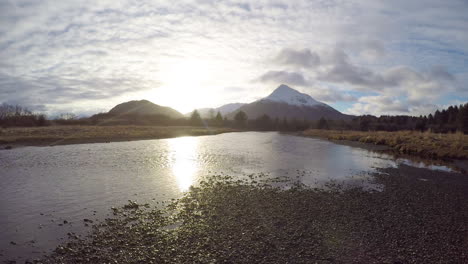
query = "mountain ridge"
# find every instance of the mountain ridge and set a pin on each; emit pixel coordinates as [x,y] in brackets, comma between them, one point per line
[286,94]
[224,110]
[144,107]
[283,102]
[286,102]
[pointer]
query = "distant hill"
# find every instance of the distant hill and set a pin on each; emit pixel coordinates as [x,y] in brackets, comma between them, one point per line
[144,107]
[285,102]
[224,110]
[229,108]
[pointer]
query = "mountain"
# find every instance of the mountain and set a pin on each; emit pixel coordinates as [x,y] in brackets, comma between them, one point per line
[144,107]
[285,94]
[285,102]
[229,108]
[224,110]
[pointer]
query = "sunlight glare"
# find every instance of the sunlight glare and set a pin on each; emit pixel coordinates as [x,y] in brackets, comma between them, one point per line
[184,84]
[184,160]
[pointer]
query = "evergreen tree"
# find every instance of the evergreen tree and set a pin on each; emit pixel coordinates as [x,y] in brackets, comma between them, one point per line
[364,124]
[462,118]
[219,119]
[437,117]
[322,124]
[264,122]
[420,124]
[241,118]
[195,119]
[430,119]
[452,114]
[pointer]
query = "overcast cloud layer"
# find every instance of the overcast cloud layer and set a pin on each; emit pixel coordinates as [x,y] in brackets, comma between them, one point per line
[393,57]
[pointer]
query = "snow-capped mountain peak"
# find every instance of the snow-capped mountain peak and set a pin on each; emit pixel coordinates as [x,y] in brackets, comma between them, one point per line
[286,94]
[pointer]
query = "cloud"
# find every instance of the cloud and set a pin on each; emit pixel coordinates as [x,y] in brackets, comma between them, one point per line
[391,84]
[89,53]
[299,58]
[440,72]
[329,95]
[387,105]
[332,66]
[51,91]
[344,72]
[369,50]
[378,105]
[418,87]
[290,78]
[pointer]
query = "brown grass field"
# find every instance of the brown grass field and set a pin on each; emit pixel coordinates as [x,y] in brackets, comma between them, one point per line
[60,135]
[423,144]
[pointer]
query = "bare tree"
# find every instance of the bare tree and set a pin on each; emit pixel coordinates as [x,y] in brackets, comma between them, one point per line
[7,110]
[16,115]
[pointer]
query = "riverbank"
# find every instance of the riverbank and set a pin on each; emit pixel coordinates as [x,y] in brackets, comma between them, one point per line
[422,144]
[419,216]
[63,135]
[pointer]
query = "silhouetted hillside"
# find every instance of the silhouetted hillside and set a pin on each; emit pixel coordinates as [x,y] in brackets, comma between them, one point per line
[144,107]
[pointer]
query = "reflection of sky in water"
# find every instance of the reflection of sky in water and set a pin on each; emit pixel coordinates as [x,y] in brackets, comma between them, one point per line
[311,161]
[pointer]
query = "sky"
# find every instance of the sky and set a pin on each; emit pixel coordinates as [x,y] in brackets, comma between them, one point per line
[361,57]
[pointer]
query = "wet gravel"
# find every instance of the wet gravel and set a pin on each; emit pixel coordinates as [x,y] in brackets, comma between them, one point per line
[418,216]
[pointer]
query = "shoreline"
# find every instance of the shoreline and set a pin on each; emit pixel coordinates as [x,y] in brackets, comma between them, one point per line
[458,165]
[70,135]
[447,147]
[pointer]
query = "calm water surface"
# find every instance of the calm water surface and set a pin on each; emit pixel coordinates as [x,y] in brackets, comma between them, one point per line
[41,187]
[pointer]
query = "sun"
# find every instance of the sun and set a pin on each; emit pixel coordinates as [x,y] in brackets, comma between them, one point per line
[185,85]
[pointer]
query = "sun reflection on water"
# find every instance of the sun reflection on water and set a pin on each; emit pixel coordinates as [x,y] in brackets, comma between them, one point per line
[184,161]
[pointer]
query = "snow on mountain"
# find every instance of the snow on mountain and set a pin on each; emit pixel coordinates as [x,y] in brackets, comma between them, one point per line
[285,94]
[287,103]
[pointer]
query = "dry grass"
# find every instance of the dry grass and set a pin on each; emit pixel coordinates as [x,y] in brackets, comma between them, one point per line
[424,144]
[54,135]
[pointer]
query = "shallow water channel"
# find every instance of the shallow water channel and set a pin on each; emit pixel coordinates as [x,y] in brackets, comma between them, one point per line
[46,192]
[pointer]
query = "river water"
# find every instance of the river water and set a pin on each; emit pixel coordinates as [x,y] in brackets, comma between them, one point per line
[41,187]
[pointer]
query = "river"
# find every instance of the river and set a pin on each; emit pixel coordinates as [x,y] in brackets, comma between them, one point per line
[46,192]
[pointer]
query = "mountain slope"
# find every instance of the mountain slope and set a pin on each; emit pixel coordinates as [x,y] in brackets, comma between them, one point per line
[285,94]
[229,108]
[285,102]
[224,110]
[144,107]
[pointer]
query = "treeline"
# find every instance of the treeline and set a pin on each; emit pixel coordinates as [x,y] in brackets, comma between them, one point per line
[242,121]
[15,115]
[454,118]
